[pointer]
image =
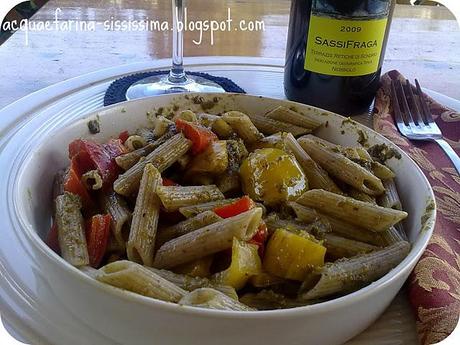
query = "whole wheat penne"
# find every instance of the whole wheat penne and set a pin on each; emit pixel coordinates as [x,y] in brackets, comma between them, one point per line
[359,195]
[274,141]
[243,126]
[391,236]
[161,158]
[339,247]
[162,124]
[192,283]
[193,210]
[133,277]
[187,115]
[391,197]
[316,175]
[290,116]
[379,170]
[141,243]
[303,213]
[352,231]
[274,222]
[92,180]
[71,229]
[350,274]
[135,142]
[191,224]
[400,228]
[350,152]
[208,240]
[269,126]
[364,214]
[146,133]
[127,160]
[269,300]
[212,299]
[175,197]
[342,168]
[115,205]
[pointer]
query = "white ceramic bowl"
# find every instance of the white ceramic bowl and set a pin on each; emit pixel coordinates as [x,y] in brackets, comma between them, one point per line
[106,315]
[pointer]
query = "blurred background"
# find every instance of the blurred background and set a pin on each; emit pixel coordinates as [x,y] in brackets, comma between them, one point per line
[27,9]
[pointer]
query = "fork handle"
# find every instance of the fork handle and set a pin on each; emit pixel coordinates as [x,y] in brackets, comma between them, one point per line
[450,153]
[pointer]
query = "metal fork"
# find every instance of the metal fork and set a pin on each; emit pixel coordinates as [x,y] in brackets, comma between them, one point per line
[414,120]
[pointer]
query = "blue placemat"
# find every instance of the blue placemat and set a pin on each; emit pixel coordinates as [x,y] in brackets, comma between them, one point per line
[117,90]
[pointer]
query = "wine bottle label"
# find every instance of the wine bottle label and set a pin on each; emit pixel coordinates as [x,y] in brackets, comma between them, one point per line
[344,47]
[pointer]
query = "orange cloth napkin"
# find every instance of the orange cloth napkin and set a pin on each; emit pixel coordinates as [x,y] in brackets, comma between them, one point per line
[434,285]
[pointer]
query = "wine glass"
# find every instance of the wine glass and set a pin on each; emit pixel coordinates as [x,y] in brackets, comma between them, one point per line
[177,80]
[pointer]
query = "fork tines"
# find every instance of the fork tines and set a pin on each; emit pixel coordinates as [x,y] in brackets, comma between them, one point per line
[409,105]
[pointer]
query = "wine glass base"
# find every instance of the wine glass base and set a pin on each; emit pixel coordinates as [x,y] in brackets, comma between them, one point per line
[160,85]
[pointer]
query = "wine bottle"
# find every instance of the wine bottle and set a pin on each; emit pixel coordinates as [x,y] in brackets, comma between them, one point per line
[335,51]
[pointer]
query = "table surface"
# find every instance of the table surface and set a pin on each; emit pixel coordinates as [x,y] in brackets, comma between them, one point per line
[424,41]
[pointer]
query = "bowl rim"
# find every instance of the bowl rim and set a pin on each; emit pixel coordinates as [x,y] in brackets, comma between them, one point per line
[342,301]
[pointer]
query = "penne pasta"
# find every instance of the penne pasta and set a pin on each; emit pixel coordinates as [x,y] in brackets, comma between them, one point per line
[127,160]
[191,224]
[146,133]
[175,197]
[366,215]
[303,213]
[379,170]
[208,240]
[192,283]
[339,247]
[212,299]
[269,126]
[353,232]
[135,142]
[347,275]
[243,126]
[358,195]
[187,115]
[161,158]
[115,205]
[390,198]
[274,222]
[162,125]
[71,230]
[193,210]
[92,180]
[269,300]
[133,277]
[290,116]
[342,168]
[141,243]
[391,236]
[316,175]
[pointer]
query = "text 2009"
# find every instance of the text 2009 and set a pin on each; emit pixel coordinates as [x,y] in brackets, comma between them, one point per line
[350,28]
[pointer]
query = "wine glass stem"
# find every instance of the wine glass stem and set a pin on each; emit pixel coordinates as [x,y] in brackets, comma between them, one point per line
[177,74]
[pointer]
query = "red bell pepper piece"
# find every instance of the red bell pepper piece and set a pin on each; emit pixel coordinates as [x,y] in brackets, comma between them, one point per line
[73,184]
[91,155]
[169,182]
[123,136]
[199,135]
[239,206]
[259,238]
[52,239]
[97,237]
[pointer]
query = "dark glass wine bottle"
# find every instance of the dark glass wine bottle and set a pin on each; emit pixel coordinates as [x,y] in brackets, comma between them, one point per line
[335,51]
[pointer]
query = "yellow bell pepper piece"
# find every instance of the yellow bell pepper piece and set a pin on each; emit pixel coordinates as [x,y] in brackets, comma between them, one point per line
[245,263]
[292,256]
[272,176]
